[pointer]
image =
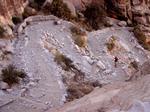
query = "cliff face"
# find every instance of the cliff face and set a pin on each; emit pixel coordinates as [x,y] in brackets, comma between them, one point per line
[8,8]
[134,10]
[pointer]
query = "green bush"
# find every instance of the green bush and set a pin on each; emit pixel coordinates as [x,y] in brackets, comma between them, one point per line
[11,75]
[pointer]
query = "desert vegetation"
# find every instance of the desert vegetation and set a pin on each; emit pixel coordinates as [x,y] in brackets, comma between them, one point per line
[16,19]
[2,31]
[11,75]
[63,61]
[141,37]
[79,36]
[134,64]
[111,43]
[60,9]
[95,16]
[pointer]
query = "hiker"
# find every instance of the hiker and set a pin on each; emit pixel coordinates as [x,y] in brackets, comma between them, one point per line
[115,61]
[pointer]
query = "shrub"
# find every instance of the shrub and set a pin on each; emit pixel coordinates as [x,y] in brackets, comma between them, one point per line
[16,20]
[11,75]
[79,36]
[63,61]
[60,9]
[95,15]
[2,31]
[111,44]
[134,64]
[141,37]
[77,90]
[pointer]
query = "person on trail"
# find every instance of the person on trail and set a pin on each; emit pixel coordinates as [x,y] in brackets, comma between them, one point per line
[115,61]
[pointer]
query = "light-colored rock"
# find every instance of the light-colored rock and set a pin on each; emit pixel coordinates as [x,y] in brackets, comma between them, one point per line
[4,85]
[9,49]
[71,7]
[122,23]
[118,97]
[29,11]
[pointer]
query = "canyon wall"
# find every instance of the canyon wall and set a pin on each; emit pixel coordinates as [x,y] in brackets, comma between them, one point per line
[9,8]
[133,10]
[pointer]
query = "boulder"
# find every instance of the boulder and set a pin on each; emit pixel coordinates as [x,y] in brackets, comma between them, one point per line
[29,11]
[71,7]
[4,86]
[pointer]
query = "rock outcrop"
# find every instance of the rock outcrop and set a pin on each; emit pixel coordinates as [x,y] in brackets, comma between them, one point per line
[119,97]
[9,8]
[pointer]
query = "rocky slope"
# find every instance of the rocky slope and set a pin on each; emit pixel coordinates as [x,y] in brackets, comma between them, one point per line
[42,57]
[70,69]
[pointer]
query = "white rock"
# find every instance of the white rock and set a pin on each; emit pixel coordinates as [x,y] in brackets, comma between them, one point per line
[4,85]
[101,65]
[122,23]
[89,60]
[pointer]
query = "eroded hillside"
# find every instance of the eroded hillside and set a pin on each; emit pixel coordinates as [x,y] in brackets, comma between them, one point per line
[75,63]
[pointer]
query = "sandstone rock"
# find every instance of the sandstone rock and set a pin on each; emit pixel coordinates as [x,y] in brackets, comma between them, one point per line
[8,8]
[8,32]
[29,11]
[71,7]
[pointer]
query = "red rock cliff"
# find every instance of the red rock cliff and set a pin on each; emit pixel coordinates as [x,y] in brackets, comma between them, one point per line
[8,8]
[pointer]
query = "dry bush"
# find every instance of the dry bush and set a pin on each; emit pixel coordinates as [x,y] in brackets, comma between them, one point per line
[134,64]
[11,75]
[2,31]
[63,61]
[141,37]
[16,19]
[77,90]
[36,4]
[111,43]
[79,36]
[95,15]
[60,9]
